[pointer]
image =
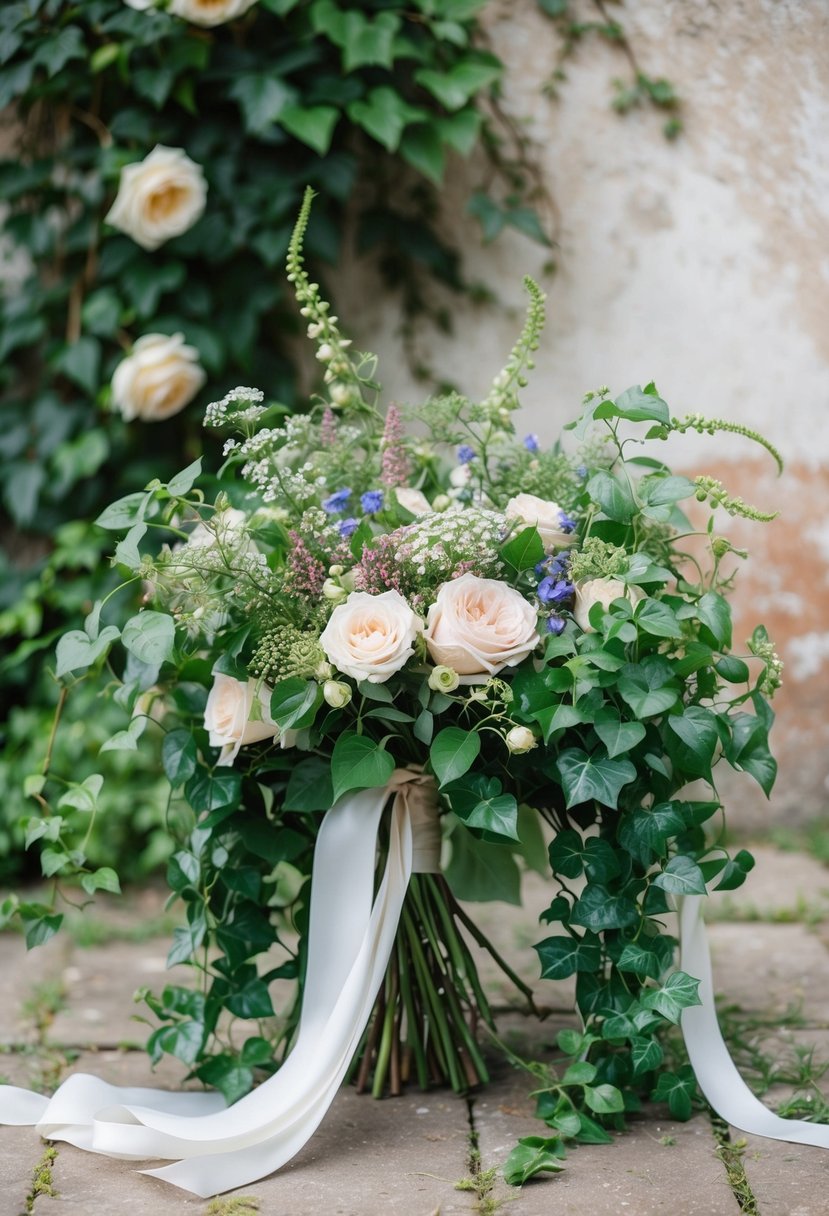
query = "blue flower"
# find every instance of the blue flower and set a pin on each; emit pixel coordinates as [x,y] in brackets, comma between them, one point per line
[556,624]
[567,524]
[552,590]
[466,454]
[372,501]
[347,527]
[531,443]
[337,501]
[581,471]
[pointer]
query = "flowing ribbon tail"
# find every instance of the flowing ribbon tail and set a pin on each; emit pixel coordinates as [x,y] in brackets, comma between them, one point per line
[716,1072]
[350,939]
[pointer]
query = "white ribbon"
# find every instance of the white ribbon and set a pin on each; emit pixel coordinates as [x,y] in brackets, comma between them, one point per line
[350,939]
[713,1067]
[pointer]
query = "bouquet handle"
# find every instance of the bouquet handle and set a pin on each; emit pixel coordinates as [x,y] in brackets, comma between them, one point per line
[351,935]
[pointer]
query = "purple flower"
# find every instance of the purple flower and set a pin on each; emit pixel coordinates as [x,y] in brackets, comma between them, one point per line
[581,471]
[567,524]
[556,624]
[466,454]
[372,501]
[336,502]
[552,590]
[531,443]
[347,527]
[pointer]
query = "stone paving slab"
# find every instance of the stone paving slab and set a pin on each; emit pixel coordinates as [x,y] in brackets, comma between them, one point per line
[655,1168]
[393,1156]
[770,968]
[26,971]
[787,1179]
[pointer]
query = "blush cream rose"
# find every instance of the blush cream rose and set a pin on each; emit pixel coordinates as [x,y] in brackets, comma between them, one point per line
[227,716]
[601,591]
[159,197]
[476,626]
[200,12]
[542,514]
[158,379]
[370,637]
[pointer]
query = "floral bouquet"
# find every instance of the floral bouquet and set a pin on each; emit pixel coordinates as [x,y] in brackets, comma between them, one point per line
[545,636]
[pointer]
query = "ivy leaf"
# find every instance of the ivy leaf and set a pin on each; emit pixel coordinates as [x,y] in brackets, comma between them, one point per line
[597,909]
[646,1054]
[179,756]
[566,853]
[600,860]
[76,650]
[208,792]
[644,832]
[358,763]
[657,619]
[309,786]
[54,53]
[715,614]
[81,363]
[453,89]
[384,115]
[482,871]
[696,738]
[262,97]
[150,636]
[559,717]
[525,550]
[561,957]
[497,814]
[604,1099]
[617,736]
[422,148]
[533,1155]
[638,405]
[681,876]
[613,496]
[748,749]
[585,778]
[103,879]
[312,125]
[677,993]
[252,1001]
[649,687]
[294,703]
[453,752]
[677,1089]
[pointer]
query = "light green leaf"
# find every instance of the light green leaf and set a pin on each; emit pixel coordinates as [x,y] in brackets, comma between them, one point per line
[76,650]
[681,876]
[453,752]
[104,879]
[294,703]
[715,613]
[613,496]
[677,993]
[533,1155]
[358,763]
[150,636]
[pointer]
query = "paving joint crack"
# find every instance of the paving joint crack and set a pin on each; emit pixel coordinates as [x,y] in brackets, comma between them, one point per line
[731,1154]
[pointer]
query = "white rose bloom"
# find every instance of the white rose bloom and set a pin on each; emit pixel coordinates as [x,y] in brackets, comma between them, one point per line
[541,514]
[601,591]
[227,716]
[159,197]
[200,12]
[370,637]
[477,626]
[158,379]
[413,500]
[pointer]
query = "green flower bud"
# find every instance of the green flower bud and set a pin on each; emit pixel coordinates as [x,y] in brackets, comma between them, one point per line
[444,679]
[336,694]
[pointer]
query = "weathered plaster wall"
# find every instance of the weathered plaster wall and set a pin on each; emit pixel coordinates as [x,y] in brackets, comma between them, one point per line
[703,264]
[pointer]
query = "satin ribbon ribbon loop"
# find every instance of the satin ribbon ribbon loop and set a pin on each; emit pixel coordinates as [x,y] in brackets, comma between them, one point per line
[351,934]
